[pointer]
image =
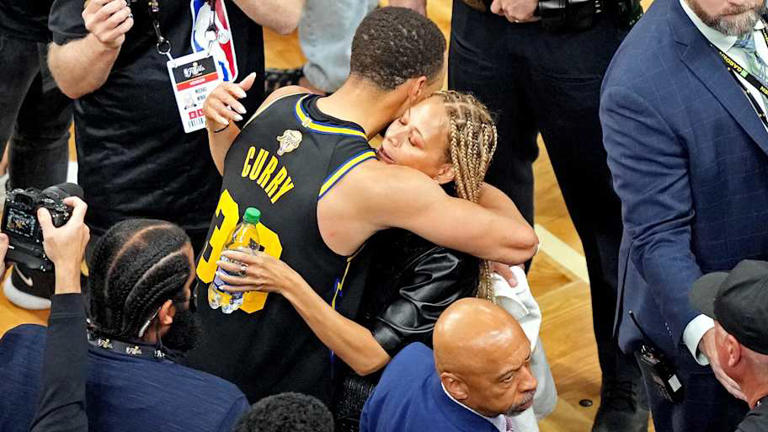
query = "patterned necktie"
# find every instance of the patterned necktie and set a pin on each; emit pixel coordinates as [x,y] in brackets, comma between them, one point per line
[510,424]
[755,64]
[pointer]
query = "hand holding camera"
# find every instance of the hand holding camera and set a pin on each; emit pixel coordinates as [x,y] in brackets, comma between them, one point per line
[108,21]
[65,245]
[20,221]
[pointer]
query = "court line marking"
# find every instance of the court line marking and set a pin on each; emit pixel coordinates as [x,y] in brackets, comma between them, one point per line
[562,253]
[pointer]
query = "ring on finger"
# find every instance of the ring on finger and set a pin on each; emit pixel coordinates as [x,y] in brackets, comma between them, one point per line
[243,269]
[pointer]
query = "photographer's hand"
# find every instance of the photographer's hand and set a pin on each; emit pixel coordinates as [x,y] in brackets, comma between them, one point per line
[65,246]
[516,11]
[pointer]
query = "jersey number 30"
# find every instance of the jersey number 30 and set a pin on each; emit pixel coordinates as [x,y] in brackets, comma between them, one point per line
[229,212]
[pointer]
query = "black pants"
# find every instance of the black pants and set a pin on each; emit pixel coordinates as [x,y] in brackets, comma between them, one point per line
[34,114]
[536,81]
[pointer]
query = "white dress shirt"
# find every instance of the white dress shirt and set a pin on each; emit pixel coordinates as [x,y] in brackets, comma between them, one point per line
[694,330]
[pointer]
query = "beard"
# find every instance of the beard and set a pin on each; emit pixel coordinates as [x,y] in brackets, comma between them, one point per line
[737,22]
[522,406]
[184,332]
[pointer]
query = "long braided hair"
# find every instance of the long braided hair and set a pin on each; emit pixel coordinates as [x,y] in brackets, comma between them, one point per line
[472,142]
[136,266]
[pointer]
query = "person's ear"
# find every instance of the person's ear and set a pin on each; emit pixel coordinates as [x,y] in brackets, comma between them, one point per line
[167,312]
[417,89]
[455,386]
[733,348]
[445,174]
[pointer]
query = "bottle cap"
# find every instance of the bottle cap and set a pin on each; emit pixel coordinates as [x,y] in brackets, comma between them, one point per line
[252,215]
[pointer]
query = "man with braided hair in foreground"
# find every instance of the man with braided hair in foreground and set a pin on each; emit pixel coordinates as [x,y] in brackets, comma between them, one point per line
[141,317]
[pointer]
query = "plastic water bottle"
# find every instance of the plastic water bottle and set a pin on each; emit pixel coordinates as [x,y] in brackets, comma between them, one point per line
[245,239]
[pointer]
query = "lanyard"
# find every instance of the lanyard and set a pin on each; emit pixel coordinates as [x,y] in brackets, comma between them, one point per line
[140,350]
[164,45]
[212,32]
[736,69]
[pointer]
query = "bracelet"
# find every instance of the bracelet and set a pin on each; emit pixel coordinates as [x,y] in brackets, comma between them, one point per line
[222,129]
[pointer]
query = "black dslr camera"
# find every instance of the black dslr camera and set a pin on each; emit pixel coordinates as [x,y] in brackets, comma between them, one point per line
[22,227]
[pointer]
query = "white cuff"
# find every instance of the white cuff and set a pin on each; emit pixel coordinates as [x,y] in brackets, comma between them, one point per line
[693,334]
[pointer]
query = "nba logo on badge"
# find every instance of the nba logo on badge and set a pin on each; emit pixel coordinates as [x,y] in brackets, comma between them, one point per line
[223,48]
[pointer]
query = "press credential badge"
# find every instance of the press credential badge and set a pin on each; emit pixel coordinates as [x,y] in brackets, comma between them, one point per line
[194,77]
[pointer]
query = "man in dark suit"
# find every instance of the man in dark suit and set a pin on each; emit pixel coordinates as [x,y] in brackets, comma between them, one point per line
[689,156]
[480,372]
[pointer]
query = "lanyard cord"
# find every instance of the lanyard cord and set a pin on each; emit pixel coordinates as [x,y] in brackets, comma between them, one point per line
[736,69]
[163,45]
[212,32]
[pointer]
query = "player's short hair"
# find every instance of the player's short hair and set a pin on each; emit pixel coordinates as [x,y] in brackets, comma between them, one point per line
[393,45]
[294,412]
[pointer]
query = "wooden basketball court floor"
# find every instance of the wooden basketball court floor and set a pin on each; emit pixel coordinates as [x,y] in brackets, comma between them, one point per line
[558,276]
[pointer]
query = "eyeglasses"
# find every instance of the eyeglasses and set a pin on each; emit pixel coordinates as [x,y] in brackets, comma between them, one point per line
[191,306]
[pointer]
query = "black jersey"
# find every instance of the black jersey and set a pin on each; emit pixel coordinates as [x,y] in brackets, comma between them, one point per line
[283,163]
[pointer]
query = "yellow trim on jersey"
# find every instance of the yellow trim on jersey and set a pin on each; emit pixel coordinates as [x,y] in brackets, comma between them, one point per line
[308,123]
[344,169]
[340,284]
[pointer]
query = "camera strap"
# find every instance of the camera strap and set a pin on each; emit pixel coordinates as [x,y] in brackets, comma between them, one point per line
[737,71]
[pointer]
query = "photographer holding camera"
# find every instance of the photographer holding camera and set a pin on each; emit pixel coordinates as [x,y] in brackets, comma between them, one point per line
[539,64]
[64,369]
[141,319]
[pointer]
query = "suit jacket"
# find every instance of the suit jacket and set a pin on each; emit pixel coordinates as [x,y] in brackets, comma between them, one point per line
[123,393]
[410,398]
[689,158]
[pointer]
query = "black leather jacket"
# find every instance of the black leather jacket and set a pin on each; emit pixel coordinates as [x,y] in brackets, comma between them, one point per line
[410,283]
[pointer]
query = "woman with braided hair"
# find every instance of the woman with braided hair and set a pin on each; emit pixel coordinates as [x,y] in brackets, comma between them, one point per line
[451,138]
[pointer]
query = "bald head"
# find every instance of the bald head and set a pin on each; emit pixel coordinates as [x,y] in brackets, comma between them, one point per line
[482,357]
[476,326]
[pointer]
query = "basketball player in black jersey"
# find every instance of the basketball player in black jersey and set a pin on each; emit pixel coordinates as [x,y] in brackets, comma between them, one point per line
[305,162]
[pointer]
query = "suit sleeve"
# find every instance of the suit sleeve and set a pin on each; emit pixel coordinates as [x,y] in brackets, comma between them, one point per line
[649,165]
[65,369]
[427,287]
[238,409]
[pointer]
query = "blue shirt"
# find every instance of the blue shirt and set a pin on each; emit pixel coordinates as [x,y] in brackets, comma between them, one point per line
[123,393]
